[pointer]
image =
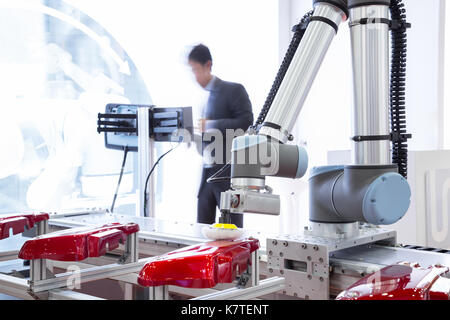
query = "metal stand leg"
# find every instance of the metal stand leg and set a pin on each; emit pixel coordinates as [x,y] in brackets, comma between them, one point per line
[159,293]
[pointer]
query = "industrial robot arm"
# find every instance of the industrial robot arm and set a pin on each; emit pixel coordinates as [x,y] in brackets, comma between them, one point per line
[370,190]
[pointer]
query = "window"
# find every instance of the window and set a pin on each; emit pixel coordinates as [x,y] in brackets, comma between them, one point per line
[68,59]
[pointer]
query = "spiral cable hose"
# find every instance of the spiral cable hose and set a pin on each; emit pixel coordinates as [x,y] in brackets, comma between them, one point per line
[397,89]
[299,31]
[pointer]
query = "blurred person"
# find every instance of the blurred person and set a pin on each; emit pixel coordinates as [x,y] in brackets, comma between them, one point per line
[228,107]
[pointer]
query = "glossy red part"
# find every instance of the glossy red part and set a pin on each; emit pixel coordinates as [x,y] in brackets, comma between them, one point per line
[18,222]
[399,282]
[77,244]
[200,266]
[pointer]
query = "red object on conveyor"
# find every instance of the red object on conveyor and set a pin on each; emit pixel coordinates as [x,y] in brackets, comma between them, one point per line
[18,222]
[401,282]
[78,243]
[200,266]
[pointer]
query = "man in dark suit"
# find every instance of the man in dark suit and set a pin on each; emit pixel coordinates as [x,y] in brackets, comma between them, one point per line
[228,107]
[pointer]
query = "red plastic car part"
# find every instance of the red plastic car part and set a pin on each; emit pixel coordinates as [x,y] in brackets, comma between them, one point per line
[18,222]
[200,266]
[401,282]
[77,244]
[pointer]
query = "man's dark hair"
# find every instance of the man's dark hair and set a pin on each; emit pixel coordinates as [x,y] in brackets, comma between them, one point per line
[200,53]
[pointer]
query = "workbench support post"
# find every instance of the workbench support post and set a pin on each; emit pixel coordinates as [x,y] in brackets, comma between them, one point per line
[255,269]
[38,269]
[145,163]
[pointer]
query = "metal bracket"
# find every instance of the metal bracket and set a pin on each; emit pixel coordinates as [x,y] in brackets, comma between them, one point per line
[250,277]
[243,279]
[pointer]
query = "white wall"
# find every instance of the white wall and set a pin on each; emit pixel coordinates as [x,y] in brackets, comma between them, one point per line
[157,35]
[445,5]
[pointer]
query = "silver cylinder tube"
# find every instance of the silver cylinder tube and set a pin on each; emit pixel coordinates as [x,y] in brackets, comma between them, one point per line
[370,54]
[302,71]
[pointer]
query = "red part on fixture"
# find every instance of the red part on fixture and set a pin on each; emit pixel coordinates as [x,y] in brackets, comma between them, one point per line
[399,282]
[200,266]
[18,222]
[78,243]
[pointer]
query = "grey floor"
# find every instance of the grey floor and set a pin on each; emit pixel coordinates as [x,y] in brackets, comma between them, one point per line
[10,244]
